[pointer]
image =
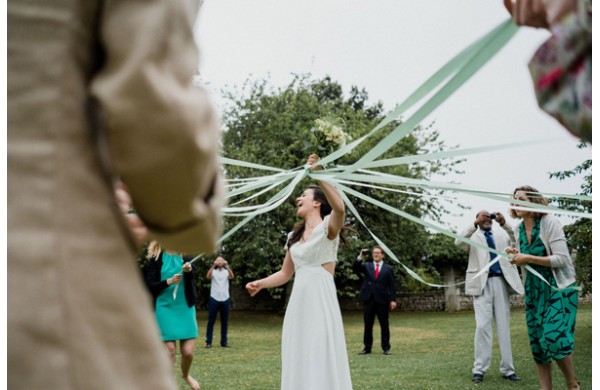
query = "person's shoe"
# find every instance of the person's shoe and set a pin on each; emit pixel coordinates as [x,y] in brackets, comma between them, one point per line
[387,352]
[225,345]
[365,351]
[208,345]
[512,378]
[477,378]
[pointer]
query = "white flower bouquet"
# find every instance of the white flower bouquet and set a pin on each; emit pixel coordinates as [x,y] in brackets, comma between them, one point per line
[326,137]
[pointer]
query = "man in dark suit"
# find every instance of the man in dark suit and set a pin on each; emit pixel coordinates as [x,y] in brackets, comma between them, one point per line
[378,293]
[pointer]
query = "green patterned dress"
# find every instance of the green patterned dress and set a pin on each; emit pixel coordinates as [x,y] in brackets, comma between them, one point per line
[550,313]
[176,320]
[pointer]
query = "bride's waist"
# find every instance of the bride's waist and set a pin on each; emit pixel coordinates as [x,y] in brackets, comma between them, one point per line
[312,270]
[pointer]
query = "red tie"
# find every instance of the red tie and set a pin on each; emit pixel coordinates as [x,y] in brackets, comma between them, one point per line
[376,270]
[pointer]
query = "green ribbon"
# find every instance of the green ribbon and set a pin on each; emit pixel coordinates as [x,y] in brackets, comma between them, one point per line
[441,85]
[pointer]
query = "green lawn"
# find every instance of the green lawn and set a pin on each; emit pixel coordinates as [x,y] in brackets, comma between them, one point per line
[429,351]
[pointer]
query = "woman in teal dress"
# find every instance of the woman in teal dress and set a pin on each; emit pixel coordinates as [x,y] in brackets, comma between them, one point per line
[175,314]
[550,308]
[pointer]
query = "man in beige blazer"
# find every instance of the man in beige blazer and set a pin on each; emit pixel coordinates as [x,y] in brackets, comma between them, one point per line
[99,90]
[491,292]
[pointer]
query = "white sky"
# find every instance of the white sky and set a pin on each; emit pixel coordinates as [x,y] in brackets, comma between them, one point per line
[390,47]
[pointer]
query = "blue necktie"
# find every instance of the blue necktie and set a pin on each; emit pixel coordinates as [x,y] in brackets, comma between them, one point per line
[490,241]
[494,269]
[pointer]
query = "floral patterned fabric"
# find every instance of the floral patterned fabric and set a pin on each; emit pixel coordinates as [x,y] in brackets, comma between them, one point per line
[562,72]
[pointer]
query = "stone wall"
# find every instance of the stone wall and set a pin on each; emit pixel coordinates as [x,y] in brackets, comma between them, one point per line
[423,301]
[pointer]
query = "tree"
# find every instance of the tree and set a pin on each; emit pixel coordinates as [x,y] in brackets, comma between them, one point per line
[270,127]
[579,234]
[444,253]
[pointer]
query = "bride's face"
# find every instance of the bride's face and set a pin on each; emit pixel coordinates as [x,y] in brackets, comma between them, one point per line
[306,203]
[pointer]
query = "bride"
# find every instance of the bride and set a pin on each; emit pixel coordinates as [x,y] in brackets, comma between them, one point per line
[313,345]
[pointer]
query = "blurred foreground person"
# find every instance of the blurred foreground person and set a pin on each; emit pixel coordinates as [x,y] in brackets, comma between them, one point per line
[99,90]
[561,68]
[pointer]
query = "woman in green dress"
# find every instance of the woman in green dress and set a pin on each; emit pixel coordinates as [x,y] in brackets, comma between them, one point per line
[175,313]
[550,308]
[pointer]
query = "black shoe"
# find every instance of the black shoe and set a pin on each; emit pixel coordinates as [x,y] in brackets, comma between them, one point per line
[477,378]
[365,351]
[512,378]
[387,352]
[208,345]
[225,345]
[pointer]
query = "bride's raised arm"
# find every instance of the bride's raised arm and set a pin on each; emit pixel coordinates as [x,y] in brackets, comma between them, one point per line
[338,209]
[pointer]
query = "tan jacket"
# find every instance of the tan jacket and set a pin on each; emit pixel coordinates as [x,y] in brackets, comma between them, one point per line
[79,316]
[479,258]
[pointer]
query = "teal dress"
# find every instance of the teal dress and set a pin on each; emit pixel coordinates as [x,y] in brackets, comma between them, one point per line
[550,313]
[176,320]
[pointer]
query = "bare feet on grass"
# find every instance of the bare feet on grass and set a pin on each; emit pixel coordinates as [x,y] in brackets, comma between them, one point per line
[192,382]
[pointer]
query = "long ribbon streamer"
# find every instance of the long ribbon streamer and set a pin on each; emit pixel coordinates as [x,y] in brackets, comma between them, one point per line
[455,73]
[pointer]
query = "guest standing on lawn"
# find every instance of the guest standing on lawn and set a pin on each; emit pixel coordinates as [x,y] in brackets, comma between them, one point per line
[550,308]
[378,293]
[175,314]
[219,275]
[491,292]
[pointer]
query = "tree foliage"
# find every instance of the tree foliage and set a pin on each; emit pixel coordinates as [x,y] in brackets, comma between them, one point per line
[270,126]
[579,234]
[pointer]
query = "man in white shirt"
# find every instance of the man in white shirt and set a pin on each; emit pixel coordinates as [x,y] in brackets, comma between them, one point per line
[219,274]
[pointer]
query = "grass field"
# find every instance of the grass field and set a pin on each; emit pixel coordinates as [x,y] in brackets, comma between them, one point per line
[429,351]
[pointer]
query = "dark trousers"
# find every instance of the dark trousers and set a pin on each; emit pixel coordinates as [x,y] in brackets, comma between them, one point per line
[381,310]
[214,307]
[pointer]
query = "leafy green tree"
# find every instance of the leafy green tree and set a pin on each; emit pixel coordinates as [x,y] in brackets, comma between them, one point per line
[444,253]
[579,234]
[270,126]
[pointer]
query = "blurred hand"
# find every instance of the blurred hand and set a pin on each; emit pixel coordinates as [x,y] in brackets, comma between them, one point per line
[312,159]
[175,279]
[187,267]
[135,224]
[556,10]
[539,13]
[253,288]
[393,305]
[500,218]
[530,13]
[520,259]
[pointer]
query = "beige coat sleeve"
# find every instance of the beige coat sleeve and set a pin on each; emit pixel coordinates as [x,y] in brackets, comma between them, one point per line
[162,131]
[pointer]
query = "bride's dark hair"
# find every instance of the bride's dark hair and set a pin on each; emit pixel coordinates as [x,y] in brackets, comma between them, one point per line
[325,210]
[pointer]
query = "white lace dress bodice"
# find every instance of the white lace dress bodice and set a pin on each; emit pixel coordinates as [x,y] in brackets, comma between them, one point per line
[317,250]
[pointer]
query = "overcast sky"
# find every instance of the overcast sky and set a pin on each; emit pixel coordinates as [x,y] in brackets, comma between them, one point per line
[390,47]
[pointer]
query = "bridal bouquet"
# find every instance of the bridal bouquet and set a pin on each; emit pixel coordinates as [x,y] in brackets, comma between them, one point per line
[327,136]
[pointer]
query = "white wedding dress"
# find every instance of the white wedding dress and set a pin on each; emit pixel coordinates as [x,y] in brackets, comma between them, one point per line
[313,349]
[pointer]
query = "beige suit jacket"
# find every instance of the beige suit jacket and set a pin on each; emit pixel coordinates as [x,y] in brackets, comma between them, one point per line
[79,316]
[479,258]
